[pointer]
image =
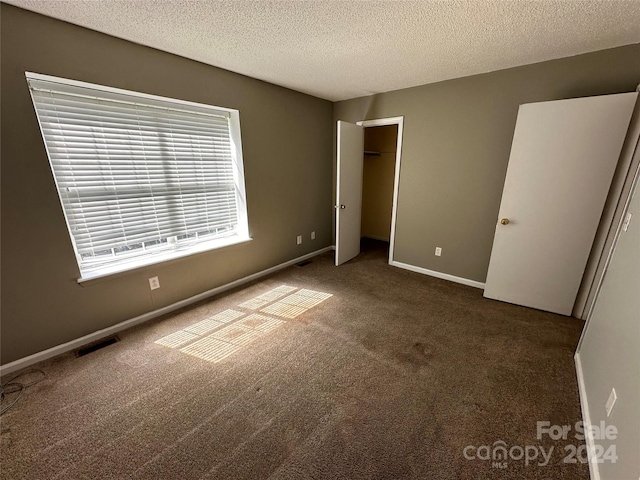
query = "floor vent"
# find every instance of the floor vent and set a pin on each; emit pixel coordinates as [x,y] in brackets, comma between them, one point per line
[303,264]
[92,347]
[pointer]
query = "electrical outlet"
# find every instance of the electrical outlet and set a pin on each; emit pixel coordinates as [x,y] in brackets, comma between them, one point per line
[299,239]
[154,283]
[313,235]
[438,251]
[611,401]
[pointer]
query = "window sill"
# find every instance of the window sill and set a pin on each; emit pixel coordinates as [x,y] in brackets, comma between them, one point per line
[134,264]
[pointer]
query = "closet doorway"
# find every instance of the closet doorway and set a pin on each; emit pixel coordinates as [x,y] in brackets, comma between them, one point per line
[368,172]
[381,178]
[378,168]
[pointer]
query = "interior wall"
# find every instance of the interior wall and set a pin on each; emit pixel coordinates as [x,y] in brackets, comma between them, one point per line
[286,139]
[377,181]
[608,353]
[456,143]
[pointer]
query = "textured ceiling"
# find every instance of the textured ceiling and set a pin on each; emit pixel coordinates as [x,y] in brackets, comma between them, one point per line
[344,49]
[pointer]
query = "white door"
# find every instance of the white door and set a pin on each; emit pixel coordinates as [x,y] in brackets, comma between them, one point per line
[349,191]
[563,157]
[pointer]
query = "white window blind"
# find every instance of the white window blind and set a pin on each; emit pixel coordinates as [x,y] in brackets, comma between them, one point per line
[139,176]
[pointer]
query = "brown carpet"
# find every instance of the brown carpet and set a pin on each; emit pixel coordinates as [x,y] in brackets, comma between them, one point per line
[389,378]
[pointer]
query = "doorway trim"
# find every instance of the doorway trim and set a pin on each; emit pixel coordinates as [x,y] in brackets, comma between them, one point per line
[382,122]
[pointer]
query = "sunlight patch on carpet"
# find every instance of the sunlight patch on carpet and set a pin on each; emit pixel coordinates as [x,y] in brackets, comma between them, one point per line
[177,338]
[254,303]
[227,316]
[315,294]
[268,297]
[261,322]
[210,349]
[218,336]
[237,334]
[296,303]
[284,310]
[204,326]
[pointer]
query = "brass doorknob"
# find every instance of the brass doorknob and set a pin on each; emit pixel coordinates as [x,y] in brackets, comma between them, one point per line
[504,221]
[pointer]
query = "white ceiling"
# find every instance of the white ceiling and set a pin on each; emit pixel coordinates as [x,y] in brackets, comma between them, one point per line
[344,49]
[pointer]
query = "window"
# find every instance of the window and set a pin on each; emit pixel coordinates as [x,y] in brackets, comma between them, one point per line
[141,179]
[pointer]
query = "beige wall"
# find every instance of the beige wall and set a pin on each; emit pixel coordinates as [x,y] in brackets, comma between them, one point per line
[377,181]
[457,138]
[287,152]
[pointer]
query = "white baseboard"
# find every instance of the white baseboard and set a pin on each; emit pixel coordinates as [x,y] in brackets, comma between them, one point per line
[594,471]
[433,273]
[92,337]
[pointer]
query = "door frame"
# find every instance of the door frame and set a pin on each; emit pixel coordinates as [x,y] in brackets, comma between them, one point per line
[612,217]
[382,122]
[625,200]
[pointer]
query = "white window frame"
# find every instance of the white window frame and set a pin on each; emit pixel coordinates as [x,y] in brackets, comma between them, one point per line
[150,258]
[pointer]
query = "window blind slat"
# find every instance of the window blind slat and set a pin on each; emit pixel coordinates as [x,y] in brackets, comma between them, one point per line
[114,127]
[59,101]
[90,92]
[107,132]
